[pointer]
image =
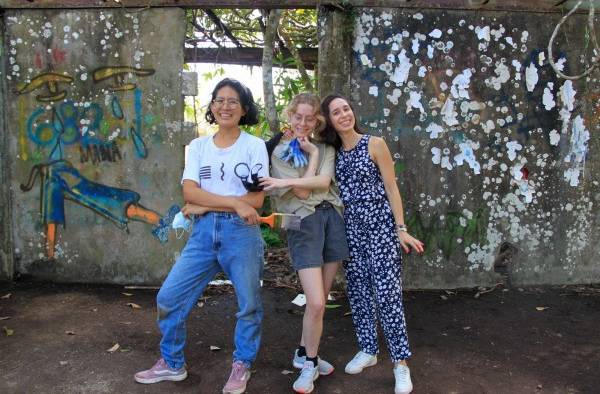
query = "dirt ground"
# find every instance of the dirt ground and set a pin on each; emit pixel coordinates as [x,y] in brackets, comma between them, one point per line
[56,339]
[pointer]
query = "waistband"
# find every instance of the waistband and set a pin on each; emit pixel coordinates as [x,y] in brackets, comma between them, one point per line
[365,202]
[324,205]
[218,214]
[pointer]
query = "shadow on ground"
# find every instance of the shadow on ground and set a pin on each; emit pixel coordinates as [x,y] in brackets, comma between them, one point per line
[56,339]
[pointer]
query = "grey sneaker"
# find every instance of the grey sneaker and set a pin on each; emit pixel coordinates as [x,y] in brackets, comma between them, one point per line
[403,382]
[305,382]
[361,361]
[240,374]
[160,372]
[324,367]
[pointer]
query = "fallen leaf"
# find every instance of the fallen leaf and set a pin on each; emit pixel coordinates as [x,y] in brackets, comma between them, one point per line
[70,332]
[4,318]
[443,297]
[8,331]
[214,348]
[127,294]
[7,296]
[466,328]
[332,306]
[541,308]
[349,313]
[114,348]
[134,306]
[287,372]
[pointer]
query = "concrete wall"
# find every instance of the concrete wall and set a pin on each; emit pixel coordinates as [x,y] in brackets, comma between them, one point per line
[495,156]
[6,258]
[94,114]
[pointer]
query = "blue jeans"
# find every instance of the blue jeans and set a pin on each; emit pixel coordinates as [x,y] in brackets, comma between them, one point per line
[218,242]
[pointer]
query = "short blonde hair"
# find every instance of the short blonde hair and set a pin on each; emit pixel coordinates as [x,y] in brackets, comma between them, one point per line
[314,101]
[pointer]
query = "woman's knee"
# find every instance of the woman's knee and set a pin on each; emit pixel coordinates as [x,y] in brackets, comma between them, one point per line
[315,308]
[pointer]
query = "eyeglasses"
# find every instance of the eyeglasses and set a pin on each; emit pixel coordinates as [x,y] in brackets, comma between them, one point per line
[232,103]
[307,119]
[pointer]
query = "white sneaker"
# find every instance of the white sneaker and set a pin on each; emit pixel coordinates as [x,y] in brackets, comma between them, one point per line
[361,361]
[403,382]
[324,367]
[305,382]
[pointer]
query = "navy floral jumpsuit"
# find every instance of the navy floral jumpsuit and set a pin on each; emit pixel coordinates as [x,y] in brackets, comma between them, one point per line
[375,266]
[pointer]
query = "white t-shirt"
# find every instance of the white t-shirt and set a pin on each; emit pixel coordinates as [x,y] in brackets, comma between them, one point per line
[213,168]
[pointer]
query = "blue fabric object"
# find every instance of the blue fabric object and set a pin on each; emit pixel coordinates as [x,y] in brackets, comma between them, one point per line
[294,155]
[180,221]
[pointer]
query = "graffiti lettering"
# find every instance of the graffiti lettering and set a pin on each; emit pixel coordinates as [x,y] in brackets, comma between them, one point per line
[97,153]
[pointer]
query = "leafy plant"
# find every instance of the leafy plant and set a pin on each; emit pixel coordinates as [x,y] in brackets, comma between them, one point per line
[272,238]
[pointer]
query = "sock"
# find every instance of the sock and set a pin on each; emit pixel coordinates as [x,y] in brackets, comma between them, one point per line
[315,360]
[301,351]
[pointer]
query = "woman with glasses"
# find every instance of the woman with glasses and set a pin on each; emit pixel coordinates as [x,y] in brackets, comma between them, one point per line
[303,184]
[220,182]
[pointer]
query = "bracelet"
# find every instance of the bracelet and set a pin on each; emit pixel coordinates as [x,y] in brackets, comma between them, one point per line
[401,227]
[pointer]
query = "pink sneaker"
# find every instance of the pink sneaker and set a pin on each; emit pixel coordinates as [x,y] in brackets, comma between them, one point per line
[159,372]
[240,374]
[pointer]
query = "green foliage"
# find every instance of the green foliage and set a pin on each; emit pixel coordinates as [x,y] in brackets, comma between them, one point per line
[219,72]
[247,27]
[272,238]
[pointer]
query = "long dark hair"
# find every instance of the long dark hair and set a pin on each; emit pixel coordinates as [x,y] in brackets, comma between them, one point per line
[329,135]
[246,101]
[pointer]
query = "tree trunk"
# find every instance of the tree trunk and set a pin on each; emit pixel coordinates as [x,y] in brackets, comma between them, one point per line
[267,69]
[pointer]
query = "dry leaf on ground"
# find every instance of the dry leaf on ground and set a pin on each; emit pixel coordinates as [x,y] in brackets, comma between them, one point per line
[114,348]
[134,306]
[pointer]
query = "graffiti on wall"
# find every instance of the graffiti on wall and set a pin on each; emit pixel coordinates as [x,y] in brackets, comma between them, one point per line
[97,131]
[489,115]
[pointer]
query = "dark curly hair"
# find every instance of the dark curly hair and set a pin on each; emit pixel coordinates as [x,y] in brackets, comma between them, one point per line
[328,134]
[246,100]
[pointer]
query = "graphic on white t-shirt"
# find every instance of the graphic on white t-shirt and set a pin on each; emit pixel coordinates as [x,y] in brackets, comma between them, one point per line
[214,168]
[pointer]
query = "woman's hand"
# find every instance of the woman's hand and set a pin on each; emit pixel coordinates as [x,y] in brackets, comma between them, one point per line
[409,242]
[191,209]
[273,183]
[307,146]
[287,134]
[246,212]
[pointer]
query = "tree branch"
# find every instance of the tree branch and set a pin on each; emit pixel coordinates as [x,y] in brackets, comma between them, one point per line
[299,63]
[215,19]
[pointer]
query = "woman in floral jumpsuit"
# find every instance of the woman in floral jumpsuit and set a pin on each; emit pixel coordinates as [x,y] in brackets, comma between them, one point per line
[375,231]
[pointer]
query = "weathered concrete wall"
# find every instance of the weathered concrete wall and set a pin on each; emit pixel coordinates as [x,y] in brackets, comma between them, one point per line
[335,43]
[95,110]
[6,258]
[495,156]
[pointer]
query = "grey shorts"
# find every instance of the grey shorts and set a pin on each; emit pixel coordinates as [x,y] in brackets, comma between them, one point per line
[321,239]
